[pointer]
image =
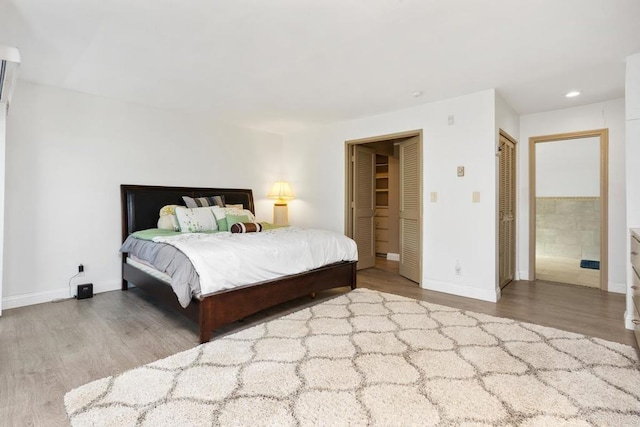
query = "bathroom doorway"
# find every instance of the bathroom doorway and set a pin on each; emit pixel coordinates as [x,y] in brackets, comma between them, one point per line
[568,208]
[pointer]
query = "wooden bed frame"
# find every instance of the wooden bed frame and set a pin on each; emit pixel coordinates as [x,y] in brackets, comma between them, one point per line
[140,209]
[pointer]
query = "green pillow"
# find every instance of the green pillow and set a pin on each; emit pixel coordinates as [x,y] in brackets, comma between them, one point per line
[222,224]
[232,219]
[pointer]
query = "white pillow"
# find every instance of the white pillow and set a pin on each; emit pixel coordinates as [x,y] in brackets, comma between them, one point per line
[168,222]
[168,219]
[239,206]
[196,220]
[221,213]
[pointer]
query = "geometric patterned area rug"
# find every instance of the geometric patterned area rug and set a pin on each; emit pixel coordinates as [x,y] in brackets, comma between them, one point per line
[371,358]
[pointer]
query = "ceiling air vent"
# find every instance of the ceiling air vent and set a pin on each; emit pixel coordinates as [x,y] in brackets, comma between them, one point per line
[9,63]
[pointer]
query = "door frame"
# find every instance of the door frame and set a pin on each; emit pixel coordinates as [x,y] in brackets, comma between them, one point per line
[348,160]
[603,134]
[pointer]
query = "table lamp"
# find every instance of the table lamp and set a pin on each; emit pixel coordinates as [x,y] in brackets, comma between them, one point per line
[281,191]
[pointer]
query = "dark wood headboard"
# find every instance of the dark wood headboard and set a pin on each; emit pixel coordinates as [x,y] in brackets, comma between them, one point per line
[141,204]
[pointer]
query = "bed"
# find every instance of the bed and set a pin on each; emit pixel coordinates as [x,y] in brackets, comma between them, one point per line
[140,207]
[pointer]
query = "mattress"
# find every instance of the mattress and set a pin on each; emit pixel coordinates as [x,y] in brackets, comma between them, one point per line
[140,265]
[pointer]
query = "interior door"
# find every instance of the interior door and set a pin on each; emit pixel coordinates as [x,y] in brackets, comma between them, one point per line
[364,185]
[410,202]
[507,207]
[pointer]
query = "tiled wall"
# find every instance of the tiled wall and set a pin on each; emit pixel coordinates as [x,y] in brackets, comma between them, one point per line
[568,227]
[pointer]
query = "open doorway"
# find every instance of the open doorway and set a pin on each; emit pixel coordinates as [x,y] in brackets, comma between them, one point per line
[384,201]
[568,207]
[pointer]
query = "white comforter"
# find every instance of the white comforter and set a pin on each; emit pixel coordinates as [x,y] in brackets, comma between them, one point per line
[228,260]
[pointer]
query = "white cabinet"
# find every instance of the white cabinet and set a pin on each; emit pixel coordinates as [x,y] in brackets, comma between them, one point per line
[635,285]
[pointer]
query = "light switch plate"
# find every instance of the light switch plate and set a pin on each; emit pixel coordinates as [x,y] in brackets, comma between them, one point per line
[475,197]
[460,170]
[434,197]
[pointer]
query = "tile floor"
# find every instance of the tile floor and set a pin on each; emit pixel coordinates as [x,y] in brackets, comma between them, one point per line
[566,270]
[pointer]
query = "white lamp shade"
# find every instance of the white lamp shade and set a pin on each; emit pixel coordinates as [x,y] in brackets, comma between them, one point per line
[281,191]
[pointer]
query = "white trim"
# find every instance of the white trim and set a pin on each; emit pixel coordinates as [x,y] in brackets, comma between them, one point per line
[628,321]
[48,296]
[619,288]
[462,290]
[393,257]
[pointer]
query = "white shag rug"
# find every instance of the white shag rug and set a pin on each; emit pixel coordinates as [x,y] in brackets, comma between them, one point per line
[371,358]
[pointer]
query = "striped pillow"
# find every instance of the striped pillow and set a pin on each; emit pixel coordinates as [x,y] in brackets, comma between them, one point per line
[246,227]
[201,202]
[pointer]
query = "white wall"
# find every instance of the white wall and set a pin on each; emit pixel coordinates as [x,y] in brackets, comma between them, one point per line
[609,114]
[68,153]
[506,119]
[632,99]
[455,229]
[568,168]
[3,117]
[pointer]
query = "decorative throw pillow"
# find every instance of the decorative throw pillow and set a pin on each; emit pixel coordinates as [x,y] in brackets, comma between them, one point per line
[235,211]
[234,219]
[196,220]
[168,222]
[221,216]
[238,206]
[246,227]
[200,202]
[168,219]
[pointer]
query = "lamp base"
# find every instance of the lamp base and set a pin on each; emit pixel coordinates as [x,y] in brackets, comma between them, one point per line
[280,214]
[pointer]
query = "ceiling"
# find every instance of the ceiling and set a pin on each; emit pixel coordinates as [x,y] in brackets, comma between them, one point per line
[282,65]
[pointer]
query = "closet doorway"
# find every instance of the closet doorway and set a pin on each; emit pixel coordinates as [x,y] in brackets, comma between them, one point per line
[568,204]
[384,200]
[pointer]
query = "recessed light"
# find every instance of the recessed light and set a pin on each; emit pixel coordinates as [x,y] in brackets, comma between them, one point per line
[572,94]
[417,94]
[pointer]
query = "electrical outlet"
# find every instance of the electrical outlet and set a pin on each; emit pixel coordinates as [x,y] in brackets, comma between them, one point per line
[80,270]
[458,268]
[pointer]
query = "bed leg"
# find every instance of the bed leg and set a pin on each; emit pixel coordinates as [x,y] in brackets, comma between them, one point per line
[313,295]
[354,276]
[206,328]
[125,284]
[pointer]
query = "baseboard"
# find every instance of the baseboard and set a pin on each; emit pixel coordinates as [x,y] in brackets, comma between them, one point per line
[628,320]
[32,298]
[619,288]
[492,295]
[393,257]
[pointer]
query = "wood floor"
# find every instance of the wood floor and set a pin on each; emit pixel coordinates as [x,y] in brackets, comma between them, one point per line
[49,349]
